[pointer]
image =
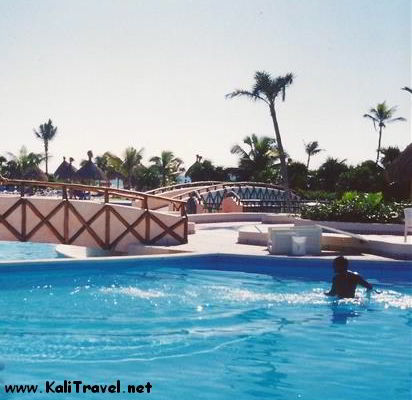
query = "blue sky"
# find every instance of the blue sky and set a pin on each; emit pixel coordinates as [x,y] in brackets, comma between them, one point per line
[153,74]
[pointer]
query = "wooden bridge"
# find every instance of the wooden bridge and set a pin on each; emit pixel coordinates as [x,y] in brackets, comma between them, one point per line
[29,213]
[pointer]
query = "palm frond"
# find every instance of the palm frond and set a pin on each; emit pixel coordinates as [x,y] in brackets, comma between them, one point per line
[374,120]
[236,149]
[155,159]
[246,93]
[396,119]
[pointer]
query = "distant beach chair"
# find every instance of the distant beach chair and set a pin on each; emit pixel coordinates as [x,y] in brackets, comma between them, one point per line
[408,222]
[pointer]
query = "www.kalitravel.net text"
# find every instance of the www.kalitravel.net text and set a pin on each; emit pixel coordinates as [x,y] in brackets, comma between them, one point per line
[77,386]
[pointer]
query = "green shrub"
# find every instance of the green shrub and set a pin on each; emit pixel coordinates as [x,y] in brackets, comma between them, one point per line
[357,207]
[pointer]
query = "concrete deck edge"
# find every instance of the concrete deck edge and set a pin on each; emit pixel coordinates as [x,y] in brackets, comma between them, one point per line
[132,259]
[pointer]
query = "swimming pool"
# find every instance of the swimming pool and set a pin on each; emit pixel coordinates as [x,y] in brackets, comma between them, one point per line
[196,333]
[26,251]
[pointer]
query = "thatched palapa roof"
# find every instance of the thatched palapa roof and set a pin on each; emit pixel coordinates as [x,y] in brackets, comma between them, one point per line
[401,169]
[65,171]
[90,171]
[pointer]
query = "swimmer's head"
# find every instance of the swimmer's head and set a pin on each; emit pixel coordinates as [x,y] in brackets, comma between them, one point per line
[340,264]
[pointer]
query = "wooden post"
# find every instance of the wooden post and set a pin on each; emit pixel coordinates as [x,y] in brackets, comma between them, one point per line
[107,224]
[64,192]
[23,219]
[145,203]
[22,190]
[66,222]
[185,230]
[106,196]
[147,227]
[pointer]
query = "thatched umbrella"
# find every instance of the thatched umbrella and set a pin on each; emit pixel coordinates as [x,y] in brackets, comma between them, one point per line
[401,169]
[90,171]
[65,171]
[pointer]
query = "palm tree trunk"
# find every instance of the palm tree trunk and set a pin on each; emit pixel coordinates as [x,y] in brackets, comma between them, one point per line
[307,164]
[46,154]
[379,144]
[283,167]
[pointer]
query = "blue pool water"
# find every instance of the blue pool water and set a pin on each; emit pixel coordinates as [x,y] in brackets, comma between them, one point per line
[26,251]
[194,333]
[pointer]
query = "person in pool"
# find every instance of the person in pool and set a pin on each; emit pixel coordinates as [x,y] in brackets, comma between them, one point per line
[345,282]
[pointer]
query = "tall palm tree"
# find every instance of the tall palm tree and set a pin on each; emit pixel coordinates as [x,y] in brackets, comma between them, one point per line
[380,116]
[46,133]
[168,166]
[311,148]
[267,89]
[257,162]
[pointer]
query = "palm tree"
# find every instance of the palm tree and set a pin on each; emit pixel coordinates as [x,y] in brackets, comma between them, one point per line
[125,168]
[46,133]
[390,154]
[131,160]
[328,173]
[267,89]
[380,116]
[311,148]
[3,160]
[205,170]
[168,166]
[23,163]
[256,163]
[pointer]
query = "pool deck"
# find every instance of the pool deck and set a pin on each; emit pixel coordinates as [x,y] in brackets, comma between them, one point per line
[223,238]
[250,238]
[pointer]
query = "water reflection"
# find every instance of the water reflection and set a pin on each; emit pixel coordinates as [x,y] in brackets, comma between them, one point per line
[343,313]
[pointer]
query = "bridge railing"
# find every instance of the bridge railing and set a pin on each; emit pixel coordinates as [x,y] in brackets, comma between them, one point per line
[88,223]
[212,185]
[182,186]
[70,189]
[227,185]
[272,206]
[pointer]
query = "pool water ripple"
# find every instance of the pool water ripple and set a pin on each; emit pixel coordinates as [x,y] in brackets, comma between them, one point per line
[220,334]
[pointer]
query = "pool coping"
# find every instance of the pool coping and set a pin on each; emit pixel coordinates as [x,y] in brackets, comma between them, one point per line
[142,258]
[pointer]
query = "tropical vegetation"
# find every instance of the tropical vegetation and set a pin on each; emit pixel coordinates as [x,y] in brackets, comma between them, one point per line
[23,164]
[260,158]
[167,166]
[258,161]
[356,207]
[204,170]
